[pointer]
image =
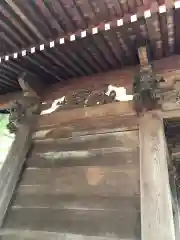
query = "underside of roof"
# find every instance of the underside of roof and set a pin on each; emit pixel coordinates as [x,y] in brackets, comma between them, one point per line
[30,23]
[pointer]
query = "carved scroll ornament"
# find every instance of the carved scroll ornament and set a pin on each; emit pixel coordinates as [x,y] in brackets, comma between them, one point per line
[20,111]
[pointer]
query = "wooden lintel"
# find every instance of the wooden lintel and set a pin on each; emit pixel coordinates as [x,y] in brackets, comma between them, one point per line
[156,207]
[169,68]
[100,111]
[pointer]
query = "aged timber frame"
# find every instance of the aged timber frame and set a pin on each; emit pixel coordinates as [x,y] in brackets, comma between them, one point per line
[156,204]
[157,220]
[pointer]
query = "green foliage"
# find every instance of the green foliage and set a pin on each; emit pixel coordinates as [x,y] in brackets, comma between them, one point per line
[6,138]
[4,118]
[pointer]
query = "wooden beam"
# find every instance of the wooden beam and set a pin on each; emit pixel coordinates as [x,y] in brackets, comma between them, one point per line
[100,112]
[169,68]
[15,234]
[156,206]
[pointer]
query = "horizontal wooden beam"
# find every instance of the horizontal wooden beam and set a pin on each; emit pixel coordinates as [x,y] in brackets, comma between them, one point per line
[109,116]
[169,68]
[47,235]
[100,112]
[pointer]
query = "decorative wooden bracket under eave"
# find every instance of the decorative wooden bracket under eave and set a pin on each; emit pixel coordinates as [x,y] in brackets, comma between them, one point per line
[31,85]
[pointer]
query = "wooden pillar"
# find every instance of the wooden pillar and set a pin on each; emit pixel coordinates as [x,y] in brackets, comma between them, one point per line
[10,171]
[156,206]
[9,174]
[176,211]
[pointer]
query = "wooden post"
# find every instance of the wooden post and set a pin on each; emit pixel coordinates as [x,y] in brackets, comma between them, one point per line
[156,206]
[176,211]
[10,171]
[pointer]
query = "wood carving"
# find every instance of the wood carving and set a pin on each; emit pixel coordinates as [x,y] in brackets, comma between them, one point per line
[76,98]
[150,91]
[145,85]
[21,110]
[86,98]
[100,98]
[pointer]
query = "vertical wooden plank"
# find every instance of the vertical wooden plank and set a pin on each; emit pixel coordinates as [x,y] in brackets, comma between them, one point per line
[176,210]
[11,169]
[156,206]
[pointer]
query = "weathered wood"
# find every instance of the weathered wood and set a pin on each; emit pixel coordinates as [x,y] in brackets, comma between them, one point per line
[175,202]
[104,114]
[17,234]
[86,202]
[27,83]
[9,173]
[124,140]
[100,112]
[89,126]
[101,181]
[97,81]
[170,114]
[168,67]
[156,206]
[110,149]
[104,157]
[123,78]
[100,117]
[89,223]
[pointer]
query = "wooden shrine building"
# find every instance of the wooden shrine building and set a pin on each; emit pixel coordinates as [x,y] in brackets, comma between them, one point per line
[92,88]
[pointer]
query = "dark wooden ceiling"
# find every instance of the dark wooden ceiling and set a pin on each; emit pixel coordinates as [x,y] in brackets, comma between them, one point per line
[27,23]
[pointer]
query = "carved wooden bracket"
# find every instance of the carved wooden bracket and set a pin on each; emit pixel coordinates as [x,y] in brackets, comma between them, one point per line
[23,109]
[87,98]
